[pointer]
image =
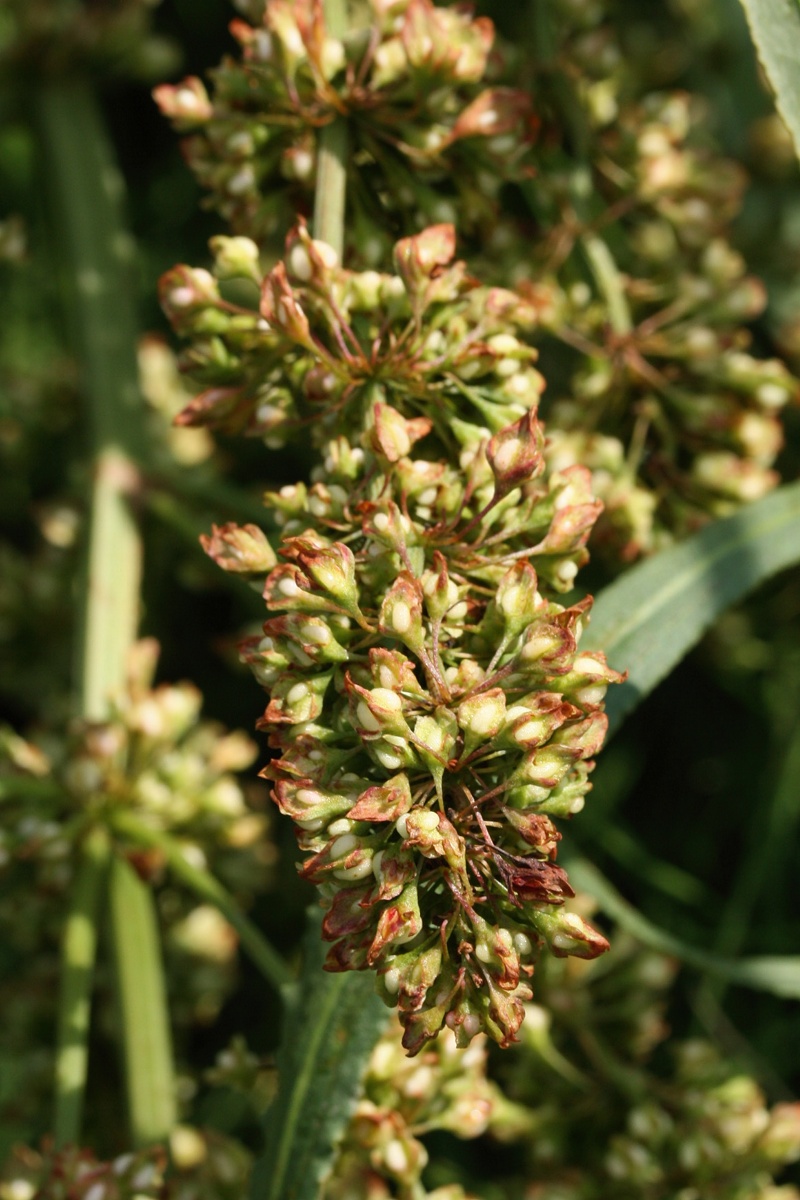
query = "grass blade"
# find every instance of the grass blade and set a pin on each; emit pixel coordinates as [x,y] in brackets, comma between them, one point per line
[99,273]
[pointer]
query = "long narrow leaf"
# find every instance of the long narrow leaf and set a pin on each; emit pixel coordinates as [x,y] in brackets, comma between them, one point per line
[99,261]
[654,614]
[329,1034]
[775,28]
[144,1020]
[780,975]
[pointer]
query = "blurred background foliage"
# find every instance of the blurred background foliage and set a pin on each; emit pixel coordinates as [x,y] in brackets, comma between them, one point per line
[694,813]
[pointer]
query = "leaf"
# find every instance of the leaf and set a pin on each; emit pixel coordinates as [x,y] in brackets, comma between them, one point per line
[142,998]
[776,974]
[647,620]
[775,29]
[101,268]
[330,1031]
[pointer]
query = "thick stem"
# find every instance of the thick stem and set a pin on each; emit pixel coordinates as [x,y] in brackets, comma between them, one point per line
[332,152]
[78,952]
[141,994]
[206,887]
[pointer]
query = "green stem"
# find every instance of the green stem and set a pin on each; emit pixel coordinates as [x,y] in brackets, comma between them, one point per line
[78,953]
[204,885]
[111,613]
[332,153]
[609,281]
[142,1000]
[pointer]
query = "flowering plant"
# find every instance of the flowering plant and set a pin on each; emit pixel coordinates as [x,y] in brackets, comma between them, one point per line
[475,323]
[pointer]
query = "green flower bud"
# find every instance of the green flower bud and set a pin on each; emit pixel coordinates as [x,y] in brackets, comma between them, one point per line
[401,612]
[515,454]
[295,699]
[235,258]
[567,933]
[243,549]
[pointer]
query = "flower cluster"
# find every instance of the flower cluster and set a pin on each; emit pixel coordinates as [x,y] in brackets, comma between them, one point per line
[153,756]
[429,707]
[628,263]
[709,1131]
[577,1103]
[704,1132]
[203,1165]
[76,1174]
[41,36]
[598,1122]
[430,140]
[634,272]
[382,1153]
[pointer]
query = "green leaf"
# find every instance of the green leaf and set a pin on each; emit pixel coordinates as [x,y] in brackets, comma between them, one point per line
[779,975]
[331,1028]
[99,260]
[144,1016]
[647,620]
[775,29]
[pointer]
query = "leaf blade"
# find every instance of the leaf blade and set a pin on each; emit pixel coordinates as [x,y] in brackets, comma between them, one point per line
[775,30]
[331,1029]
[771,973]
[142,999]
[649,618]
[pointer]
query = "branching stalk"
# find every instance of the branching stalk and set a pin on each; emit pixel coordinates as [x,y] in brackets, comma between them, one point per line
[331,190]
[204,885]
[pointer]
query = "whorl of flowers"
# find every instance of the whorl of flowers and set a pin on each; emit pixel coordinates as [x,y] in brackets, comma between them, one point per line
[46,37]
[73,1173]
[154,757]
[382,1152]
[581,1131]
[633,271]
[429,707]
[430,141]
[204,1164]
